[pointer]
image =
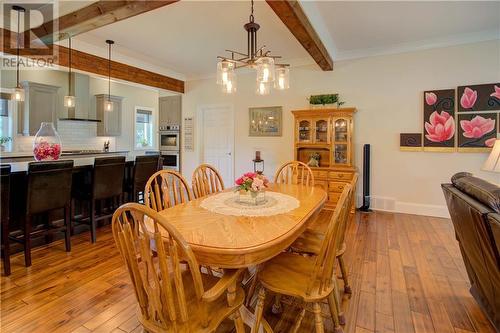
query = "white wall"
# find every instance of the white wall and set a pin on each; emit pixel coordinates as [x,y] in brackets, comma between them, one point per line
[387,91]
[82,135]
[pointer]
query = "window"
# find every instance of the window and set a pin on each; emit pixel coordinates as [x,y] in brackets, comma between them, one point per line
[143,128]
[5,123]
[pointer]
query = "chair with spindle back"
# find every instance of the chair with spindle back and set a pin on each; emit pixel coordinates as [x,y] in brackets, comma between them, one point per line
[310,240]
[310,279]
[165,189]
[294,172]
[206,180]
[173,295]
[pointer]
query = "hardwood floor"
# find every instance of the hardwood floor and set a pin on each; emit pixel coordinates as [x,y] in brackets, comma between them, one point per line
[406,272]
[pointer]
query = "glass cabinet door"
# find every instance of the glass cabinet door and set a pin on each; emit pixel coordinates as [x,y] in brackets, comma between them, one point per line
[340,129]
[321,131]
[341,140]
[304,131]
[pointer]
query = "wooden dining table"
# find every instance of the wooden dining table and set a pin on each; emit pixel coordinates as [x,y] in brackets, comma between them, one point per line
[228,241]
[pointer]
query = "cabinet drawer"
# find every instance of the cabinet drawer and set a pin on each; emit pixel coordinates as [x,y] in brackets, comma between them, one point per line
[340,175]
[336,186]
[322,184]
[333,197]
[320,174]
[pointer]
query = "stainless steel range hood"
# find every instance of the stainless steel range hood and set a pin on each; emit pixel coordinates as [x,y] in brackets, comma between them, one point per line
[82,109]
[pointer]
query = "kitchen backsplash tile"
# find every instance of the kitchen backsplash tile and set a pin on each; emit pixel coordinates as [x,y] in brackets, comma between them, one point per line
[74,135]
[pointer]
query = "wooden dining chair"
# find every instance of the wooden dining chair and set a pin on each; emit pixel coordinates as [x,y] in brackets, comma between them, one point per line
[165,189]
[294,172]
[206,180]
[308,278]
[172,294]
[310,240]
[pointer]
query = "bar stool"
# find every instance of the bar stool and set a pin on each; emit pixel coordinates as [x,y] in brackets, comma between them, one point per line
[49,188]
[5,215]
[144,167]
[106,183]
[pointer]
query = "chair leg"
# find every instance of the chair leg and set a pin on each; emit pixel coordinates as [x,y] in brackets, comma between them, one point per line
[297,323]
[92,221]
[343,270]
[259,309]
[6,247]
[318,320]
[67,229]
[251,289]
[333,311]
[238,322]
[27,241]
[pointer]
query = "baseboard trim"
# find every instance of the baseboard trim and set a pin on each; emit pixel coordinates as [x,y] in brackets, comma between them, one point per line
[390,205]
[421,209]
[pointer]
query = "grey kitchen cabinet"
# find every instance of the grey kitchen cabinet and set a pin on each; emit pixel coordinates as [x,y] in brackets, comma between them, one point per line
[170,110]
[111,121]
[40,105]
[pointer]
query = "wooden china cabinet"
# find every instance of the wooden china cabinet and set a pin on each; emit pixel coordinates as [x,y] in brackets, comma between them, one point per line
[329,133]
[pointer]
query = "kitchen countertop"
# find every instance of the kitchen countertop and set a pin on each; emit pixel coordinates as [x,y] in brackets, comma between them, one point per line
[27,154]
[79,160]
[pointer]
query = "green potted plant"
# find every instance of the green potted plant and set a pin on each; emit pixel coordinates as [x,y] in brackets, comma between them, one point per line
[3,141]
[325,99]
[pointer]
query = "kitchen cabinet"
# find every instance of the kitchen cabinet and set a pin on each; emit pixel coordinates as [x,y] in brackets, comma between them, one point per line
[170,112]
[111,121]
[40,105]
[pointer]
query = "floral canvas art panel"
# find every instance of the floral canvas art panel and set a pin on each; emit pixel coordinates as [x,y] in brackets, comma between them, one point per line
[265,121]
[480,97]
[477,131]
[410,141]
[439,120]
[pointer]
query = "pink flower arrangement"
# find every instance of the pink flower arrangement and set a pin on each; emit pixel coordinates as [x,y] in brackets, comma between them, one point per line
[440,128]
[46,151]
[496,94]
[430,98]
[468,98]
[477,127]
[252,181]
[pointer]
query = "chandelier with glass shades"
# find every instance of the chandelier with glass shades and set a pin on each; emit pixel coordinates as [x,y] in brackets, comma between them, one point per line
[268,72]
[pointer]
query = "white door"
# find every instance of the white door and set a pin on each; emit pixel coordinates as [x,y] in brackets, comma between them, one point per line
[218,140]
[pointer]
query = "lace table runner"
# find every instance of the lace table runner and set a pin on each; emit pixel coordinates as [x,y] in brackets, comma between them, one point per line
[226,203]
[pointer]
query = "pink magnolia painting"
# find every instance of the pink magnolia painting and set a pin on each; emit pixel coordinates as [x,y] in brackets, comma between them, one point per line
[479,97]
[477,130]
[439,120]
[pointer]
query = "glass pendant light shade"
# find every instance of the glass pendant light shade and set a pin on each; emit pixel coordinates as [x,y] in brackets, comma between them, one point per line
[263,88]
[282,80]
[225,71]
[18,94]
[265,69]
[108,105]
[230,86]
[69,101]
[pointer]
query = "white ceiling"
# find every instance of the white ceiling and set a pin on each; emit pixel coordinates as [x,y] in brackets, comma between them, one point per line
[373,27]
[183,39]
[187,36]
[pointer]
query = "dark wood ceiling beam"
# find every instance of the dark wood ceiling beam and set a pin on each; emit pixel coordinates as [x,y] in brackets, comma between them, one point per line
[93,16]
[292,15]
[93,64]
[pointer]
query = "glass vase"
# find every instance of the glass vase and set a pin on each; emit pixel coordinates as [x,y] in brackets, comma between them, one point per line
[47,143]
[251,198]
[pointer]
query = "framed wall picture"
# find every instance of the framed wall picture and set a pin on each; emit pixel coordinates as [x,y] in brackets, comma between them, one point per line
[439,120]
[410,141]
[266,121]
[477,131]
[480,97]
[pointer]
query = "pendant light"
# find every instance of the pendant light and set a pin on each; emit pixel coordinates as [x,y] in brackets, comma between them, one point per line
[257,58]
[108,104]
[69,100]
[18,94]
